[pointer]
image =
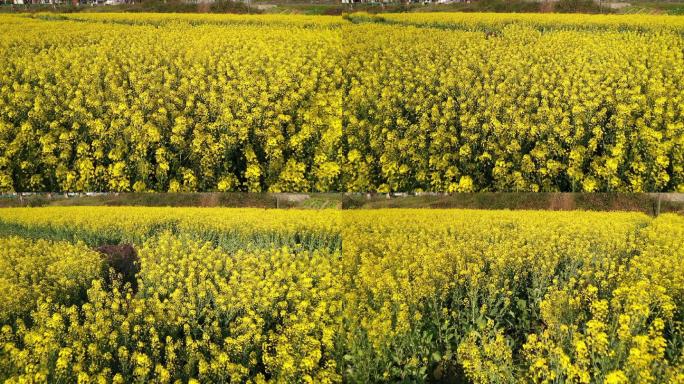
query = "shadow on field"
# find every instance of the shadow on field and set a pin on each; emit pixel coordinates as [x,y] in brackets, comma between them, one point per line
[121,264]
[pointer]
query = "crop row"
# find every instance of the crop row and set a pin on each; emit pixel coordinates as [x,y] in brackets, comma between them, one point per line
[412,295]
[278,103]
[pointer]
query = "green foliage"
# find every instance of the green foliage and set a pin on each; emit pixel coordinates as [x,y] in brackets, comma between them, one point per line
[576,6]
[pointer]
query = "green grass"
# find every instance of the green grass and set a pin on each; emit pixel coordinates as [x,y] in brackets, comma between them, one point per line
[654,7]
[524,200]
[257,200]
[536,201]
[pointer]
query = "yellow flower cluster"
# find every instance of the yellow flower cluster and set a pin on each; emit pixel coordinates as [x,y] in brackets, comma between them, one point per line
[161,19]
[459,292]
[406,295]
[169,103]
[514,103]
[228,228]
[199,313]
[441,102]
[32,271]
